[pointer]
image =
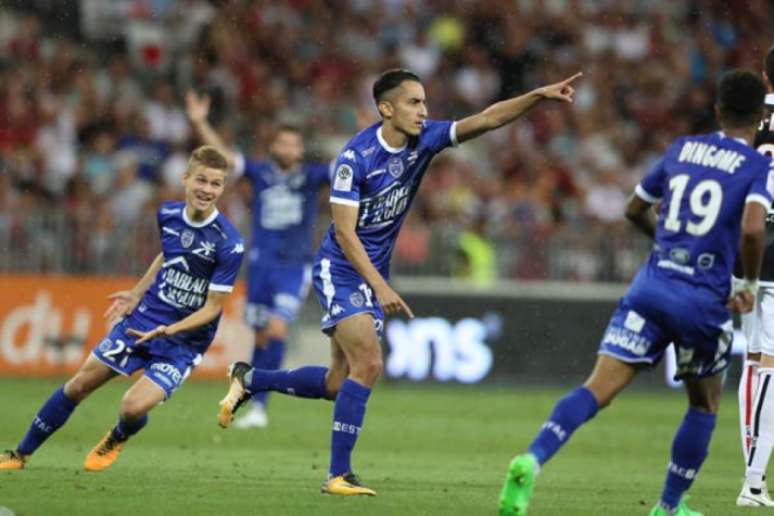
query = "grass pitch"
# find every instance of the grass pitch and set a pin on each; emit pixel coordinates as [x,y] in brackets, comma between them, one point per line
[426,451]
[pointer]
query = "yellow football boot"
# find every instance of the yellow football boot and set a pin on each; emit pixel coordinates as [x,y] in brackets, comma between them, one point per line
[346,485]
[236,395]
[11,459]
[104,454]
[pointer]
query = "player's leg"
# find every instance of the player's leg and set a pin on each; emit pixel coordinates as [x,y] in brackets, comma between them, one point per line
[609,377]
[754,491]
[748,383]
[268,354]
[135,405]
[57,409]
[357,338]
[691,443]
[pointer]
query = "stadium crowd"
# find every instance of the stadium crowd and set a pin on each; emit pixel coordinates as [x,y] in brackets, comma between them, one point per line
[93,129]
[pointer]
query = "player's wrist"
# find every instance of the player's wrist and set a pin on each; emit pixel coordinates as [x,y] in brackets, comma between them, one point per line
[747,285]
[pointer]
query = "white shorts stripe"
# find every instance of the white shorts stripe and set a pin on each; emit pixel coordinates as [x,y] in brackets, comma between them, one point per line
[325,275]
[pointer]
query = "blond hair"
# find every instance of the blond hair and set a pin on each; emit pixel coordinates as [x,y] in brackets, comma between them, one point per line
[208,156]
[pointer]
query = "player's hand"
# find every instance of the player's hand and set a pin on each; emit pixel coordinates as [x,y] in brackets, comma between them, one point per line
[741,302]
[392,303]
[562,90]
[145,336]
[124,302]
[197,107]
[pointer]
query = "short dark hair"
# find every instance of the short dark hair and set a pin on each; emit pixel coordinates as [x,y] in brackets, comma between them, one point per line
[286,127]
[392,79]
[768,64]
[740,98]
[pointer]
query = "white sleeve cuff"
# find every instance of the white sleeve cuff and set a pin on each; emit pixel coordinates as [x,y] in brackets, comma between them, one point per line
[453,134]
[221,288]
[239,164]
[345,202]
[762,199]
[645,196]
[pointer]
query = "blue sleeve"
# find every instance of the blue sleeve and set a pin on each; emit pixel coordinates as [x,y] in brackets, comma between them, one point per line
[437,135]
[651,188]
[320,173]
[255,171]
[348,175]
[229,260]
[762,187]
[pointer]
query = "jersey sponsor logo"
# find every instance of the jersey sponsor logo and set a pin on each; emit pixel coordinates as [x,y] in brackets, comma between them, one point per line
[384,207]
[669,264]
[679,255]
[181,290]
[707,155]
[281,208]
[348,154]
[205,250]
[395,167]
[187,238]
[343,180]
[705,261]
[168,370]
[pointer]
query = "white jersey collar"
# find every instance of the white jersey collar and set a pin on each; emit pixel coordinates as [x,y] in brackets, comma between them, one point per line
[385,145]
[203,223]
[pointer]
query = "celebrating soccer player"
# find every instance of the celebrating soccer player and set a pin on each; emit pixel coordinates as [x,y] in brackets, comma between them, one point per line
[164,324]
[705,184]
[284,207]
[377,175]
[756,403]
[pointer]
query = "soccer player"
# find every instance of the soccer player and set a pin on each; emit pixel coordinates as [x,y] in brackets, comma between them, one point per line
[377,175]
[706,185]
[284,207]
[165,323]
[756,407]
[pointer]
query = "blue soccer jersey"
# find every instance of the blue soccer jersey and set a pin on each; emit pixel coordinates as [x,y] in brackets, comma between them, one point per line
[284,208]
[198,257]
[679,295]
[381,182]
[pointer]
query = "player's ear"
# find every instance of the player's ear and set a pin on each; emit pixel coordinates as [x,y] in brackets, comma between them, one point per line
[386,109]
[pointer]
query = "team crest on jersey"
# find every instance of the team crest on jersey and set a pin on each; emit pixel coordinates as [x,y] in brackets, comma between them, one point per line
[187,238]
[356,298]
[395,167]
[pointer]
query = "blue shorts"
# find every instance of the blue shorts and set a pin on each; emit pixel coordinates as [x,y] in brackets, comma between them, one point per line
[119,352]
[651,316]
[275,290]
[343,294]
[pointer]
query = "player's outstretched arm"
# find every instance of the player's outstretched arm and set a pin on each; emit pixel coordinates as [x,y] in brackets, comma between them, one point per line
[345,222]
[506,111]
[124,301]
[207,313]
[639,213]
[198,109]
[751,249]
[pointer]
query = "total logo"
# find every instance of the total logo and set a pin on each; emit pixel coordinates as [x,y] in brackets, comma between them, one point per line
[436,348]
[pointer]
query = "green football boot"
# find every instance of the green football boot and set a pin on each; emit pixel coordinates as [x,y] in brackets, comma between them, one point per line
[682,510]
[519,483]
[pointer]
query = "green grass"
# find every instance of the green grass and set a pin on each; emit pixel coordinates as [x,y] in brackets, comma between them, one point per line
[427,451]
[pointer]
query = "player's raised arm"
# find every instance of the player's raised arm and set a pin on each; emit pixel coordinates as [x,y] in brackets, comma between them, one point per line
[198,109]
[506,111]
[124,301]
[345,222]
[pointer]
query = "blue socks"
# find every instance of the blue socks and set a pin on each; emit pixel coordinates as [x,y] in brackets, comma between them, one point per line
[268,358]
[125,428]
[572,411]
[689,449]
[52,415]
[348,414]
[304,382]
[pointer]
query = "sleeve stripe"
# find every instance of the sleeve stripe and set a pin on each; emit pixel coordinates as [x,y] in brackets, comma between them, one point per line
[346,202]
[453,134]
[239,164]
[645,196]
[221,288]
[762,199]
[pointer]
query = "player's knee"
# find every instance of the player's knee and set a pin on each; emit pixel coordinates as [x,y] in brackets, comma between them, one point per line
[276,330]
[77,389]
[133,408]
[369,369]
